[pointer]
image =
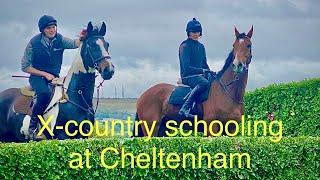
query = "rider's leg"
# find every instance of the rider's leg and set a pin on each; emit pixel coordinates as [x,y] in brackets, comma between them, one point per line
[43,94]
[199,85]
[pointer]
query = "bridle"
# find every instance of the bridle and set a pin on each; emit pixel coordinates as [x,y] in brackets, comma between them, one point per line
[96,61]
[237,74]
[96,66]
[88,109]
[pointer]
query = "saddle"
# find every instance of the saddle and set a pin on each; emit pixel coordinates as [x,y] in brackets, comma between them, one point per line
[181,92]
[23,104]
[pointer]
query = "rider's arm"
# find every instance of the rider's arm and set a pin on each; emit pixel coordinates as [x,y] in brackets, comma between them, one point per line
[27,58]
[205,63]
[185,57]
[68,43]
[34,71]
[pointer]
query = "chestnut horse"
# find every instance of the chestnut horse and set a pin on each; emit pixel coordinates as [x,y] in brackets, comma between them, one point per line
[225,99]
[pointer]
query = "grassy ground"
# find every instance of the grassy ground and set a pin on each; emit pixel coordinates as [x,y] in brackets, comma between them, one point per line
[117,104]
[116,108]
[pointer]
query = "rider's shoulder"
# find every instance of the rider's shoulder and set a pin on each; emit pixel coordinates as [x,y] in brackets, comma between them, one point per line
[185,43]
[36,37]
[201,44]
[59,36]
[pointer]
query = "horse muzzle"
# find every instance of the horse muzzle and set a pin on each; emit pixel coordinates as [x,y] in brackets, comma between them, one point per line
[107,71]
[240,67]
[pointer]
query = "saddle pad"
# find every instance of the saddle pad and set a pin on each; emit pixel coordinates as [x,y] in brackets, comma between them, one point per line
[179,93]
[22,105]
[27,91]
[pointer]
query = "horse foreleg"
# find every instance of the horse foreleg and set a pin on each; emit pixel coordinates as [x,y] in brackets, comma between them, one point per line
[149,123]
[213,129]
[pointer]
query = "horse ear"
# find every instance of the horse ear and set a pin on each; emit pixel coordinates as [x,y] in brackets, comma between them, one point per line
[103,29]
[236,32]
[89,27]
[249,34]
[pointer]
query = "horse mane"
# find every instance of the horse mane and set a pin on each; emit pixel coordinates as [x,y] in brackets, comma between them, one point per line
[227,63]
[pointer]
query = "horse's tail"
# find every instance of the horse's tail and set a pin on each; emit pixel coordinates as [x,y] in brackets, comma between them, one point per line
[140,133]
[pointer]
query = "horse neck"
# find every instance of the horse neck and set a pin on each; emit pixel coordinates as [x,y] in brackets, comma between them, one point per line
[78,78]
[237,89]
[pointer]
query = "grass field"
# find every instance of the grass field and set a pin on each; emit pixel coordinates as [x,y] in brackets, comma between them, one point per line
[116,108]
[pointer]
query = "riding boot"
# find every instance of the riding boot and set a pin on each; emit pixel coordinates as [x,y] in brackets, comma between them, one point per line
[38,109]
[186,107]
[33,128]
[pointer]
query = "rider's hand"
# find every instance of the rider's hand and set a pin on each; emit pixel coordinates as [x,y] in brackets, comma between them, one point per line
[207,71]
[82,34]
[49,76]
[55,81]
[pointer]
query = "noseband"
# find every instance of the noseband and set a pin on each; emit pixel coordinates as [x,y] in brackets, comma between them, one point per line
[96,61]
[236,77]
[244,36]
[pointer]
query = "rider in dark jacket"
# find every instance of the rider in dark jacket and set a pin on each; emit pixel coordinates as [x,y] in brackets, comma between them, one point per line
[42,60]
[193,65]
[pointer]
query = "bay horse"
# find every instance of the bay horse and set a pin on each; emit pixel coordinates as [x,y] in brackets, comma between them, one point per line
[225,98]
[72,94]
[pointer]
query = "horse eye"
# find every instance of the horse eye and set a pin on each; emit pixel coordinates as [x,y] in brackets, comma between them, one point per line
[249,46]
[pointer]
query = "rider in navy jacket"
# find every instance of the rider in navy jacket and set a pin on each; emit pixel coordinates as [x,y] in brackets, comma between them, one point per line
[42,60]
[193,65]
[192,55]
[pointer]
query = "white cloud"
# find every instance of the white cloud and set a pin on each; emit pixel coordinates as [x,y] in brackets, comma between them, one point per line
[136,80]
[301,5]
[263,73]
[269,2]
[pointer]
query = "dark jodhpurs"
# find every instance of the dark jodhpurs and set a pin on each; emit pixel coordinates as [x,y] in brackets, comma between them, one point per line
[198,84]
[43,94]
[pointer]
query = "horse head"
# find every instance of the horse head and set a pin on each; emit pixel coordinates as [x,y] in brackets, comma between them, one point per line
[94,51]
[242,51]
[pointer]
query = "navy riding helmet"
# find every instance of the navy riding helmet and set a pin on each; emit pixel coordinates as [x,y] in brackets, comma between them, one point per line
[194,26]
[45,21]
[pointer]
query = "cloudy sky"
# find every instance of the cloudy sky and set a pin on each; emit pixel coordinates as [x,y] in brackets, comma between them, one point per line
[144,37]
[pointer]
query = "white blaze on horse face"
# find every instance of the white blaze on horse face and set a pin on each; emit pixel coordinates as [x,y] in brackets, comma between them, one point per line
[111,67]
[239,53]
[103,50]
[236,60]
[105,53]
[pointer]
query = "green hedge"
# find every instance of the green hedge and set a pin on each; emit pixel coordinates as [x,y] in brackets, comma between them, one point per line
[296,104]
[291,158]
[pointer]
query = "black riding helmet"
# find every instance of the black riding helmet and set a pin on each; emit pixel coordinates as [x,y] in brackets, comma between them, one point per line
[46,21]
[194,26]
